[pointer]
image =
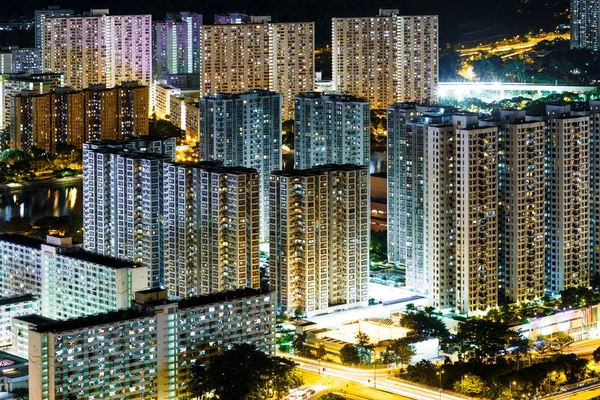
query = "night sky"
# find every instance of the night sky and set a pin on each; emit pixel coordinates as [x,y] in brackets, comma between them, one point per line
[454,14]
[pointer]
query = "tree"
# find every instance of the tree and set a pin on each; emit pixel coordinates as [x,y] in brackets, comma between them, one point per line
[484,340]
[470,385]
[284,376]
[20,393]
[403,351]
[422,372]
[243,373]
[17,224]
[349,355]
[363,345]
[424,323]
[597,355]
[196,384]
[321,352]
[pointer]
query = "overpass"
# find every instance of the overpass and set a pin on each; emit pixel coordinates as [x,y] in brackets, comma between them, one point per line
[494,91]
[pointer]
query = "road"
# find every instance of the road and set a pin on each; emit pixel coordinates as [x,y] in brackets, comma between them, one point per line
[584,347]
[350,389]
[513,48]
[377,378]
[588,392]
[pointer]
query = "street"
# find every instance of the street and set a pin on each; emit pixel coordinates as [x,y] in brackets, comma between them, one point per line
[376,378]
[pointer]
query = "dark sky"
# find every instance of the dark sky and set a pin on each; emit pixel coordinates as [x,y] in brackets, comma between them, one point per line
[452,13]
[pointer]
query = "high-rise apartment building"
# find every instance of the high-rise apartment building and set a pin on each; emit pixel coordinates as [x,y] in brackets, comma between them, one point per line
[69,117]
[567,199]
[27,61]
[243,130]
[177,45]
[463,215]
[40,15]
[520,206]
[239,57]
[594,227]
[122,206]
[407,192]
[211,228]
[13,84]
[331,129]
[319,238]
[585,17]
[69,281]
[146,352]
[386,59]
[98,49]
[13,307]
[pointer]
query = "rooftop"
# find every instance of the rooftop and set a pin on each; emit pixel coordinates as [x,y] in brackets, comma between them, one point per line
[214,166]
[133,313]
[35,319]
[73,251]
[318,170]
[16,299]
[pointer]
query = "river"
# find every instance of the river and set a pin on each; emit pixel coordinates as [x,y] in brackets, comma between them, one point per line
[42,202]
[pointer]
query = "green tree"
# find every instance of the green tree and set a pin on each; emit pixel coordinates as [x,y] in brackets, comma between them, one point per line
[321,352]
[422,372]
[484,340]
[284,376]
[20,393]
[349,355]
[470,385]
[424,323]
[243,373]
[17,224]
[363,345]
[597,355]
[403,351]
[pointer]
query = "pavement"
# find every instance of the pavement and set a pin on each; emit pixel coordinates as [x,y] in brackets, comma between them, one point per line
[377,379]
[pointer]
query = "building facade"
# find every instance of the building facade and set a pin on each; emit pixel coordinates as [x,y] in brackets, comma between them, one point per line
[69,281]
[98,49]
[211,225]
[122,207]
[319,238]
[243,130]
[585,17]
[239,57]
[40,15]
[177,45]
[27,61]
[68,117]
[406,65]
[12,307]
[331,129]
[145,352]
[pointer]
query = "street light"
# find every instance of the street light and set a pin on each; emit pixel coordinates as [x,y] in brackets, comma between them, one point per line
[511,384]
[440,373]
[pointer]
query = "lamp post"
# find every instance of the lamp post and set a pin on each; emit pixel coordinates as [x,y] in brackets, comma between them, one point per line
[511,385]
[440,373]
[374,369]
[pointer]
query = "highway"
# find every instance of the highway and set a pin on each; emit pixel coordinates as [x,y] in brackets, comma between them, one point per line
[583,393]
[584,347]
[514,48]
[366,377]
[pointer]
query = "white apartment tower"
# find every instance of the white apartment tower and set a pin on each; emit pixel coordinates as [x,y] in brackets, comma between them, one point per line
[407,196]
[211,225]
[386,59]
[236,58]
[331,129]
[567,199]
[319,238]
[594,187]
[122,207]
[520,206]
[98,48]
[243,130]
[463,215]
